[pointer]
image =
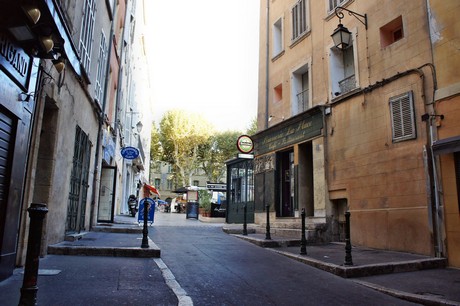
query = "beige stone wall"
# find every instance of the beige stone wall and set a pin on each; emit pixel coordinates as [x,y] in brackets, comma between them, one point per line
[385,181]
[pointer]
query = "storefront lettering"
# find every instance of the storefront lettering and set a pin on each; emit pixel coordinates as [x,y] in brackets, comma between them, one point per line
[13,56]
[296,132]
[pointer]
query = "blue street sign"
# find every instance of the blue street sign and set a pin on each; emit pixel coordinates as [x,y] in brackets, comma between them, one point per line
[129,152]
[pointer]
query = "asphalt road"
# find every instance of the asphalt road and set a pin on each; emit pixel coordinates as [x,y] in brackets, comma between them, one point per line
[215,268]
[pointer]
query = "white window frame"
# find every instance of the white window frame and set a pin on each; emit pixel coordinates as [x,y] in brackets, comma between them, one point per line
[101,68]
[300,20]
[296,88]
[86,33]
[332,4]
[402,113]
[337,69]
[278,37]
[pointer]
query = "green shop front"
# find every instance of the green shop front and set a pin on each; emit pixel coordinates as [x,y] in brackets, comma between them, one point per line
[240,189]
[289,171]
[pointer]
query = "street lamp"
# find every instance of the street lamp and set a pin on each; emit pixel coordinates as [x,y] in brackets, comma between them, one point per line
[341,35]
[139,127]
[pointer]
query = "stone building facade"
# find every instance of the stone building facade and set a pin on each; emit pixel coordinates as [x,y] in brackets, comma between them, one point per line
[60,91]
[351,127]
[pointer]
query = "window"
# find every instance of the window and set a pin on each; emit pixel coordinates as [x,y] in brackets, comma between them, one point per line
[402,117]
[170,185]
[196,183]
[300,89]
[335,3]
[278,37]
[278,93]
[343,70]
[391,32]
[86,33]
[158,183]
[299,19]
[101,63]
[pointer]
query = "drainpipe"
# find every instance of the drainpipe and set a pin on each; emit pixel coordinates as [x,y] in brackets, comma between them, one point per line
[267,61]
[438,216]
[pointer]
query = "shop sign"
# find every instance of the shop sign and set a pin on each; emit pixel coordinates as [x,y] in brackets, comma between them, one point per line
[245,144]
[14,61]
[299,130]
[129,152]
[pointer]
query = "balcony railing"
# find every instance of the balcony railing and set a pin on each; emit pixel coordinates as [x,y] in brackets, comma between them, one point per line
[302,101]
[347,84]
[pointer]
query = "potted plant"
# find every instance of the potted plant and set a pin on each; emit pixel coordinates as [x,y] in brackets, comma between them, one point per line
[204,199]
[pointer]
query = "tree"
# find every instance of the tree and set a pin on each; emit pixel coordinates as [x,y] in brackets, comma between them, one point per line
[181,136]
[252,129]
[156,150]
[220,147]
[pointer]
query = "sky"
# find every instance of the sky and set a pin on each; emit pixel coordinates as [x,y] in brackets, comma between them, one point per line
[204,59]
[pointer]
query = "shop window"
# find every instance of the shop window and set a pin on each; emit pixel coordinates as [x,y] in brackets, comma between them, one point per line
[278,45]
[391,32]
[402,117]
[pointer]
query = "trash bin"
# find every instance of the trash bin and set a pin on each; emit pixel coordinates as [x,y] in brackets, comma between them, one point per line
[192,210]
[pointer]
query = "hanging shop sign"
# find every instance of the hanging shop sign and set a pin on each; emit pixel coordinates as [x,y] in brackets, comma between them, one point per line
[130,153]
[245,144]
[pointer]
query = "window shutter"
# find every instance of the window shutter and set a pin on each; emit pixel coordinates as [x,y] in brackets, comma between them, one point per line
[402,116]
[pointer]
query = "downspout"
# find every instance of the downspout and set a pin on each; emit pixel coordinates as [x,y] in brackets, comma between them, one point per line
[101,122]
[267,61]
[438,216]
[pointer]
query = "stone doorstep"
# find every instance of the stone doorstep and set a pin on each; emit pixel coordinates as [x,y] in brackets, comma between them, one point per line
[118,229]
[152,252]
[75,236]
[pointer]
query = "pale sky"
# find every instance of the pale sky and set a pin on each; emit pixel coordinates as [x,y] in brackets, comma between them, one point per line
[204,56]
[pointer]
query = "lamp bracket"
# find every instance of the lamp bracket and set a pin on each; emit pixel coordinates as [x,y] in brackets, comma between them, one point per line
[361,18]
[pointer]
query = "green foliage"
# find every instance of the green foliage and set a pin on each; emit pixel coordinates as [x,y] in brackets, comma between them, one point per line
[204,199]
[156,149]
[181,135]
[188,142]
[220,147]
[252,129]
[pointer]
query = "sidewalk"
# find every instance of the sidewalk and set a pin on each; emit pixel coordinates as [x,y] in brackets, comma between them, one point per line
[416,278]
[126,272]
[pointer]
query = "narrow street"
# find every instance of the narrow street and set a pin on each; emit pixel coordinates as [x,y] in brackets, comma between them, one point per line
[215,268]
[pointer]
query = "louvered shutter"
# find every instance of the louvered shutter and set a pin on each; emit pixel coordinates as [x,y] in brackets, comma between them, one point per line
[402,117]
[6,141]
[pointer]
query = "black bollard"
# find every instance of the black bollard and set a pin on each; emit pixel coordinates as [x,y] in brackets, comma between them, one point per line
[245,223]
[37,212]
[267,233]
[303,241]
[145,231]
[348,258]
